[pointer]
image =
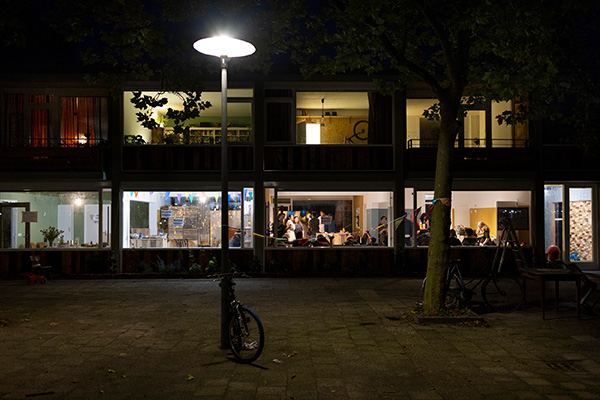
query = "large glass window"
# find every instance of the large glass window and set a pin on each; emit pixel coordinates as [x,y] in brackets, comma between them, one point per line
[28,218]
[205,129]
[553,216]
[343,118]
[468,209]
[479,128]
[581,228]
[84,120]
[329,218]
[30,119]
[185,219]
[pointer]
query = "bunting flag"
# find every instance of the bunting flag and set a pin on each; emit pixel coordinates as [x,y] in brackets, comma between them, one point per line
[167,195]
[429,210]
[416,214]
[398,221]
[191,196]
[179,198]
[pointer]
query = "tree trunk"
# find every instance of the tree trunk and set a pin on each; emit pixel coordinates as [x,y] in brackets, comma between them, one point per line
[438,253]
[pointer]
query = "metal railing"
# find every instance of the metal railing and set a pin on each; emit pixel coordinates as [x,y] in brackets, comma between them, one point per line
[472,143]
[50,142]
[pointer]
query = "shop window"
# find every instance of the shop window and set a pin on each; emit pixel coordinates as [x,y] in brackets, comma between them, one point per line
[343,118]
[76,215]
[205,129]
[329,218]
[185,219]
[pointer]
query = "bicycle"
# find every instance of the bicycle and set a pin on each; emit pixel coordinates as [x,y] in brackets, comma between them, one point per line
[360,129]
[244,329]
[500,292]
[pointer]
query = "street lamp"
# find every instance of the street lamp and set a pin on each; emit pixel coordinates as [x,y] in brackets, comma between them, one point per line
[225,48]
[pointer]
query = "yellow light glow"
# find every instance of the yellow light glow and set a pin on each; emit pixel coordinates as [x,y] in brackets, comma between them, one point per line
[313,133]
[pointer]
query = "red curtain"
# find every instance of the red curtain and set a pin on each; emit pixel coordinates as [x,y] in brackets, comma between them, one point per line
[78,121]
[40,121]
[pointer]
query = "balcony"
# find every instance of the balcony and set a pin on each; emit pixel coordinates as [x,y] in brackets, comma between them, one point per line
[185,158]
[501,155]
[329,158]
[54,156]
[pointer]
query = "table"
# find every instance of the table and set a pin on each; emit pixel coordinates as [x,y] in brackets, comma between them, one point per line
[544,275]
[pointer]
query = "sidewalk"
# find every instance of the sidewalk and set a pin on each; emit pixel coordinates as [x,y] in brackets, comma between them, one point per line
[325,338]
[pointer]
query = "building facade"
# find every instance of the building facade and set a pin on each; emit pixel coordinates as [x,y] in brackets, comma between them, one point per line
[126,199]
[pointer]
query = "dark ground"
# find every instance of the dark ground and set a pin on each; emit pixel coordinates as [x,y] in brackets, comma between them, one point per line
[325,338]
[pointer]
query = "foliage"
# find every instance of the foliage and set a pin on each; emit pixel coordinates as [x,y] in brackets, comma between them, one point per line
[213,266]
[51,233]
[467,52]
[192,105]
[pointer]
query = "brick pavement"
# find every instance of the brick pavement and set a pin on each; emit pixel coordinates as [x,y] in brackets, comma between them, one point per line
[325,338]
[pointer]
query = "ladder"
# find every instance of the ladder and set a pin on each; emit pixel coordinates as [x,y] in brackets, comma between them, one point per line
[508,241]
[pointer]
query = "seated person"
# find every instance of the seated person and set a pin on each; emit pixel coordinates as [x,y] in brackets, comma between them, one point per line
[321,241]
[470,238]
[453,239]
[483,234]
[554,258]
[352,240]
[366,239]
[236,240]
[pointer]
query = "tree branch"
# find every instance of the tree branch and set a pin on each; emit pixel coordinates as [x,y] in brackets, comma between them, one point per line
[410,65]
[453,62]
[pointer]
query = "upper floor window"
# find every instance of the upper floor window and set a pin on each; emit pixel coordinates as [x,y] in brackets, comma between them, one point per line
[343,118]
[44,120]
[84,120]
[479,127]
[205,129]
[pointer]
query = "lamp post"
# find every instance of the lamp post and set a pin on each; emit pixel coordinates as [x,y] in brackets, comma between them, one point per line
[225,48]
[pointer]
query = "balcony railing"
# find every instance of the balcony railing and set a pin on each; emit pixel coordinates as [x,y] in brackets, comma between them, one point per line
[472,143]
[61,155]
[329,158]
[473,159]
[185,158]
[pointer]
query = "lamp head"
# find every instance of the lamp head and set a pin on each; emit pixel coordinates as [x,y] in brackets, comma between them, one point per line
[223,46]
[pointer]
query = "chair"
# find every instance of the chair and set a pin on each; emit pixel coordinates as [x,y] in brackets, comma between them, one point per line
[39,269]
[589,289]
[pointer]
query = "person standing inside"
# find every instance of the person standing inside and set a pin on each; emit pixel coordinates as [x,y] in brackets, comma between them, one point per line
[383,232]
[313,226]
[298,228]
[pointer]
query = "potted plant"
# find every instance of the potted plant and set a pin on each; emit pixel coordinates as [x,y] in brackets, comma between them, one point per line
[51,234]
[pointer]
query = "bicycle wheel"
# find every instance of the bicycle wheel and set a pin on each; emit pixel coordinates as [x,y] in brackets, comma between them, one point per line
[246,335]
[502,293]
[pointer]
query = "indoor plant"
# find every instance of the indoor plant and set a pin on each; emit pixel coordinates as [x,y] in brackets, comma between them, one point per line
[51,234]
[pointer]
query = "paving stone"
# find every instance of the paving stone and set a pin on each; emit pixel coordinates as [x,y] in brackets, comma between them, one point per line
[334,338]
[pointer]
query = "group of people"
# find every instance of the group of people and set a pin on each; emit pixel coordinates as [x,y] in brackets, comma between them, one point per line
[481,237]
[313,229]
[307,227]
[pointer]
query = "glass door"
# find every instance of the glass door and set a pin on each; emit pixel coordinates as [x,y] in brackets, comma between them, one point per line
[581,236]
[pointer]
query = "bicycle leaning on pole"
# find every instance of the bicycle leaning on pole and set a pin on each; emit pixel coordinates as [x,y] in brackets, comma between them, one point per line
[244,328]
